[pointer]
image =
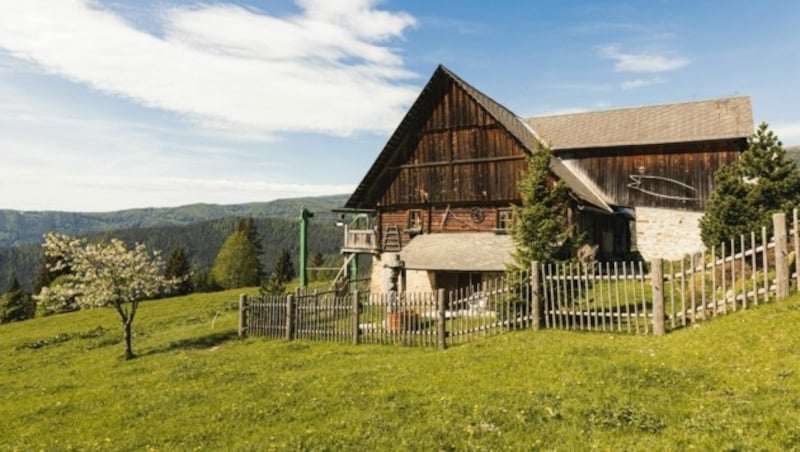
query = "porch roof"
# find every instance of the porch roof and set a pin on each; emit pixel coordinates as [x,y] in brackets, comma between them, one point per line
[464,251]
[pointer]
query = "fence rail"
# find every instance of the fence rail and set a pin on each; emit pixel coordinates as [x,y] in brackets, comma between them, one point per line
[621,297]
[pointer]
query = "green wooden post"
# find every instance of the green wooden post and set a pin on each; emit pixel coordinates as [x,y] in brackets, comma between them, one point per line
[304,216]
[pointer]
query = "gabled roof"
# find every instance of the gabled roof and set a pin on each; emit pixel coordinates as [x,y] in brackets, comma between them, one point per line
[716,119]
[417,115]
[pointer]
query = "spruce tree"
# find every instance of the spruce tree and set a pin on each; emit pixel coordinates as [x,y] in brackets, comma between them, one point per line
[236,263]
[284,268]
[15,304]
[178,268]
[747,192]
[250,230]
[541,229]
[317,260]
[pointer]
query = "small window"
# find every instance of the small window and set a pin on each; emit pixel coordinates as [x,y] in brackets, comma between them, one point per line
[415,220]
[505,219]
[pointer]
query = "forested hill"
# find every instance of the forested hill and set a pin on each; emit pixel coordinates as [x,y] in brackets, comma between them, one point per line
[201,241]
[22,228]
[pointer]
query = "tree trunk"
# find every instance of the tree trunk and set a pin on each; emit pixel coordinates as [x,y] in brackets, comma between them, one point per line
[127,339]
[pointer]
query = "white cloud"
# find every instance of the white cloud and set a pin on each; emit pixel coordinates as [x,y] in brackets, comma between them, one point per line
[788,132]
[632,62]
[328,69]
[641,83]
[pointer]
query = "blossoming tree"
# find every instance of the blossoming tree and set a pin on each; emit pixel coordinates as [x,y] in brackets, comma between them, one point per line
[107,274]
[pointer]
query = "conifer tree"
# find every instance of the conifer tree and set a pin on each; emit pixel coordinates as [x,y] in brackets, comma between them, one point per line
[541,228]
[178,269]
[317,260]
[284,268]
[15,304]
[236,264]
[747,192]
[250,230]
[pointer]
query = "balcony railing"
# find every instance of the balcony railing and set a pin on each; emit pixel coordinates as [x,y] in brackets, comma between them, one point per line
[360,241]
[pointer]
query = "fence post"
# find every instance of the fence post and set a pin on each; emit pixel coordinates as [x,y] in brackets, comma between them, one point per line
[781,266]
[796,240]
[242,315]
[657,280]
[536,308]
[290,317]
[442,333]
[354,318]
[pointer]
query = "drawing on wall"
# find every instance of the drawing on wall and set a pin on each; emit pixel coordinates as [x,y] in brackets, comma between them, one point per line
[663,187]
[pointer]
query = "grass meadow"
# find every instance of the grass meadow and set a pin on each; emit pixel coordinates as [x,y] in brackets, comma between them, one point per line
[732,383]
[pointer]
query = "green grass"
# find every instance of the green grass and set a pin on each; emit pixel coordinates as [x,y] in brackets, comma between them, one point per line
[728,384]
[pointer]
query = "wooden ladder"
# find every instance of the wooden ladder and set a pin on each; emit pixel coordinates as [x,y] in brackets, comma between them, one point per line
[391,239]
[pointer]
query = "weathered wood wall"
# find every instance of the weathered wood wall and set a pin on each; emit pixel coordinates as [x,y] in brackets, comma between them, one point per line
[461,154]
[442,219]
[661,169]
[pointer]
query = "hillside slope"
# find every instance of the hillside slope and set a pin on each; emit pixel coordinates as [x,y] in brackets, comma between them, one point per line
[732,383]
[21,228]
[201,241]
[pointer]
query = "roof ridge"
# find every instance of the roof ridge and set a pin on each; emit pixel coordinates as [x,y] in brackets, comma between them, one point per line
[640,107]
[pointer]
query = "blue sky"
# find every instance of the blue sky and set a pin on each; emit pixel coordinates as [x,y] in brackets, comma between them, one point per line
[106,105]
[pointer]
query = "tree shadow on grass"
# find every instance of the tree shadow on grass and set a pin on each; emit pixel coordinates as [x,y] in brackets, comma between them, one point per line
[206,342]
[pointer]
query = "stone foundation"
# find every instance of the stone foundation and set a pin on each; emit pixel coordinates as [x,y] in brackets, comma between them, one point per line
[666,233]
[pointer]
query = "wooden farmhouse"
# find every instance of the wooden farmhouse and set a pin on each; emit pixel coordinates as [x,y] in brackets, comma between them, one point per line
[435,207]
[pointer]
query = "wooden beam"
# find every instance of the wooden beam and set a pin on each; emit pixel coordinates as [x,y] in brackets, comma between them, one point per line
[460,162]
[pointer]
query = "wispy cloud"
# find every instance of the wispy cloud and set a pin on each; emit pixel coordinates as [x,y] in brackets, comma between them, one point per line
[642,82]
[641,62]
[329,69]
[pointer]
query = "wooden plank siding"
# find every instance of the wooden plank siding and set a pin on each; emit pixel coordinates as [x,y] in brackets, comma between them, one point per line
[433,219]
[460,155]
[693,164]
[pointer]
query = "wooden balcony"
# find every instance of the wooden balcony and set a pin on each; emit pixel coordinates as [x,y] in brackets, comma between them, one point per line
[360,241]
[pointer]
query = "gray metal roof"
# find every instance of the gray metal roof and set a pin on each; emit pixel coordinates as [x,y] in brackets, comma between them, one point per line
[656,124]
[463,251]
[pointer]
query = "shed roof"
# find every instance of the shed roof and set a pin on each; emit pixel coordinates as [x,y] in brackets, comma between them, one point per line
[464,251]
[656,124]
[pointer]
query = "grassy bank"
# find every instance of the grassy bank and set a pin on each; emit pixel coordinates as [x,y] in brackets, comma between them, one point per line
[732,383]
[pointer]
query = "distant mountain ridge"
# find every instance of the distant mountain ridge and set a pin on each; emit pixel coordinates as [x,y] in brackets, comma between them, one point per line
[22,227]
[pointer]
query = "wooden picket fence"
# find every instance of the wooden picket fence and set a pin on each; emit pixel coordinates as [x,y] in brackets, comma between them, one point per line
[437,319]
[635,297]
[623,297]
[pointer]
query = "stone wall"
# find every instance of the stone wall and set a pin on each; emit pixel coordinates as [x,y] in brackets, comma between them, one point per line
[667,233]
[419,281]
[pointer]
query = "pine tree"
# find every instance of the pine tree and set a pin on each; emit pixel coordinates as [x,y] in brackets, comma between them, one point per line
[178,268]
[284,268]
[250,230]
[15,304]
[541,229]
[317,260]
[272,286]
[236,264]
[747,192]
